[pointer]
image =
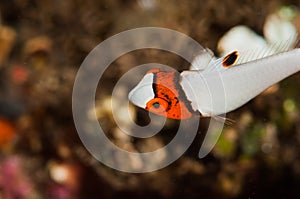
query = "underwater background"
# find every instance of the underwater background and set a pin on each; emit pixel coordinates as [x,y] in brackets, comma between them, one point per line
[42,45]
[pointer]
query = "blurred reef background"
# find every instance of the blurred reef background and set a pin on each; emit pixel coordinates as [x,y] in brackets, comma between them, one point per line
[42,45]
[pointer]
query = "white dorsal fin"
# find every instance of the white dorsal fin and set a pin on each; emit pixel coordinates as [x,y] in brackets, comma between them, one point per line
[272,49]
[217,64]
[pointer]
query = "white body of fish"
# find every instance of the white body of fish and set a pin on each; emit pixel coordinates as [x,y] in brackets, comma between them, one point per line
[215,90]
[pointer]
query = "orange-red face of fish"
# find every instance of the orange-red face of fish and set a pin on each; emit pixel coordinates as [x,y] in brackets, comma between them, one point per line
[168,98]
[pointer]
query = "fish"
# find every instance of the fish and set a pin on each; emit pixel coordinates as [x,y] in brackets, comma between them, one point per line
[213,86]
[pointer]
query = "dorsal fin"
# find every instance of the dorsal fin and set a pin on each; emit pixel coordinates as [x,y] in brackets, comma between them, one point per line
[236,57]
[272,49]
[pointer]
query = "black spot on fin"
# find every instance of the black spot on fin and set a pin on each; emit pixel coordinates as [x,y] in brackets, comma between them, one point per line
[230,59]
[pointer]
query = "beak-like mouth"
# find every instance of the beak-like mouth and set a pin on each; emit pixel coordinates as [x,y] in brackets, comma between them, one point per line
[140,95]
[131,94]
[143,92]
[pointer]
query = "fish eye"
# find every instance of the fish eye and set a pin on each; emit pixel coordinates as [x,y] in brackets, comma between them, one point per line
[157,105]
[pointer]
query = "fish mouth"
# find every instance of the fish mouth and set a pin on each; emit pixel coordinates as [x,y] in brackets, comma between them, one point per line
[143,92]
[131,95]
[140,95]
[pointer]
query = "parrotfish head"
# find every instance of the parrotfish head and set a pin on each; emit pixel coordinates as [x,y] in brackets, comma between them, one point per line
[160,92]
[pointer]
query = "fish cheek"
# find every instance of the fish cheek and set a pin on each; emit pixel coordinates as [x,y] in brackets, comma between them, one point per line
[175,111]
[179,111]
